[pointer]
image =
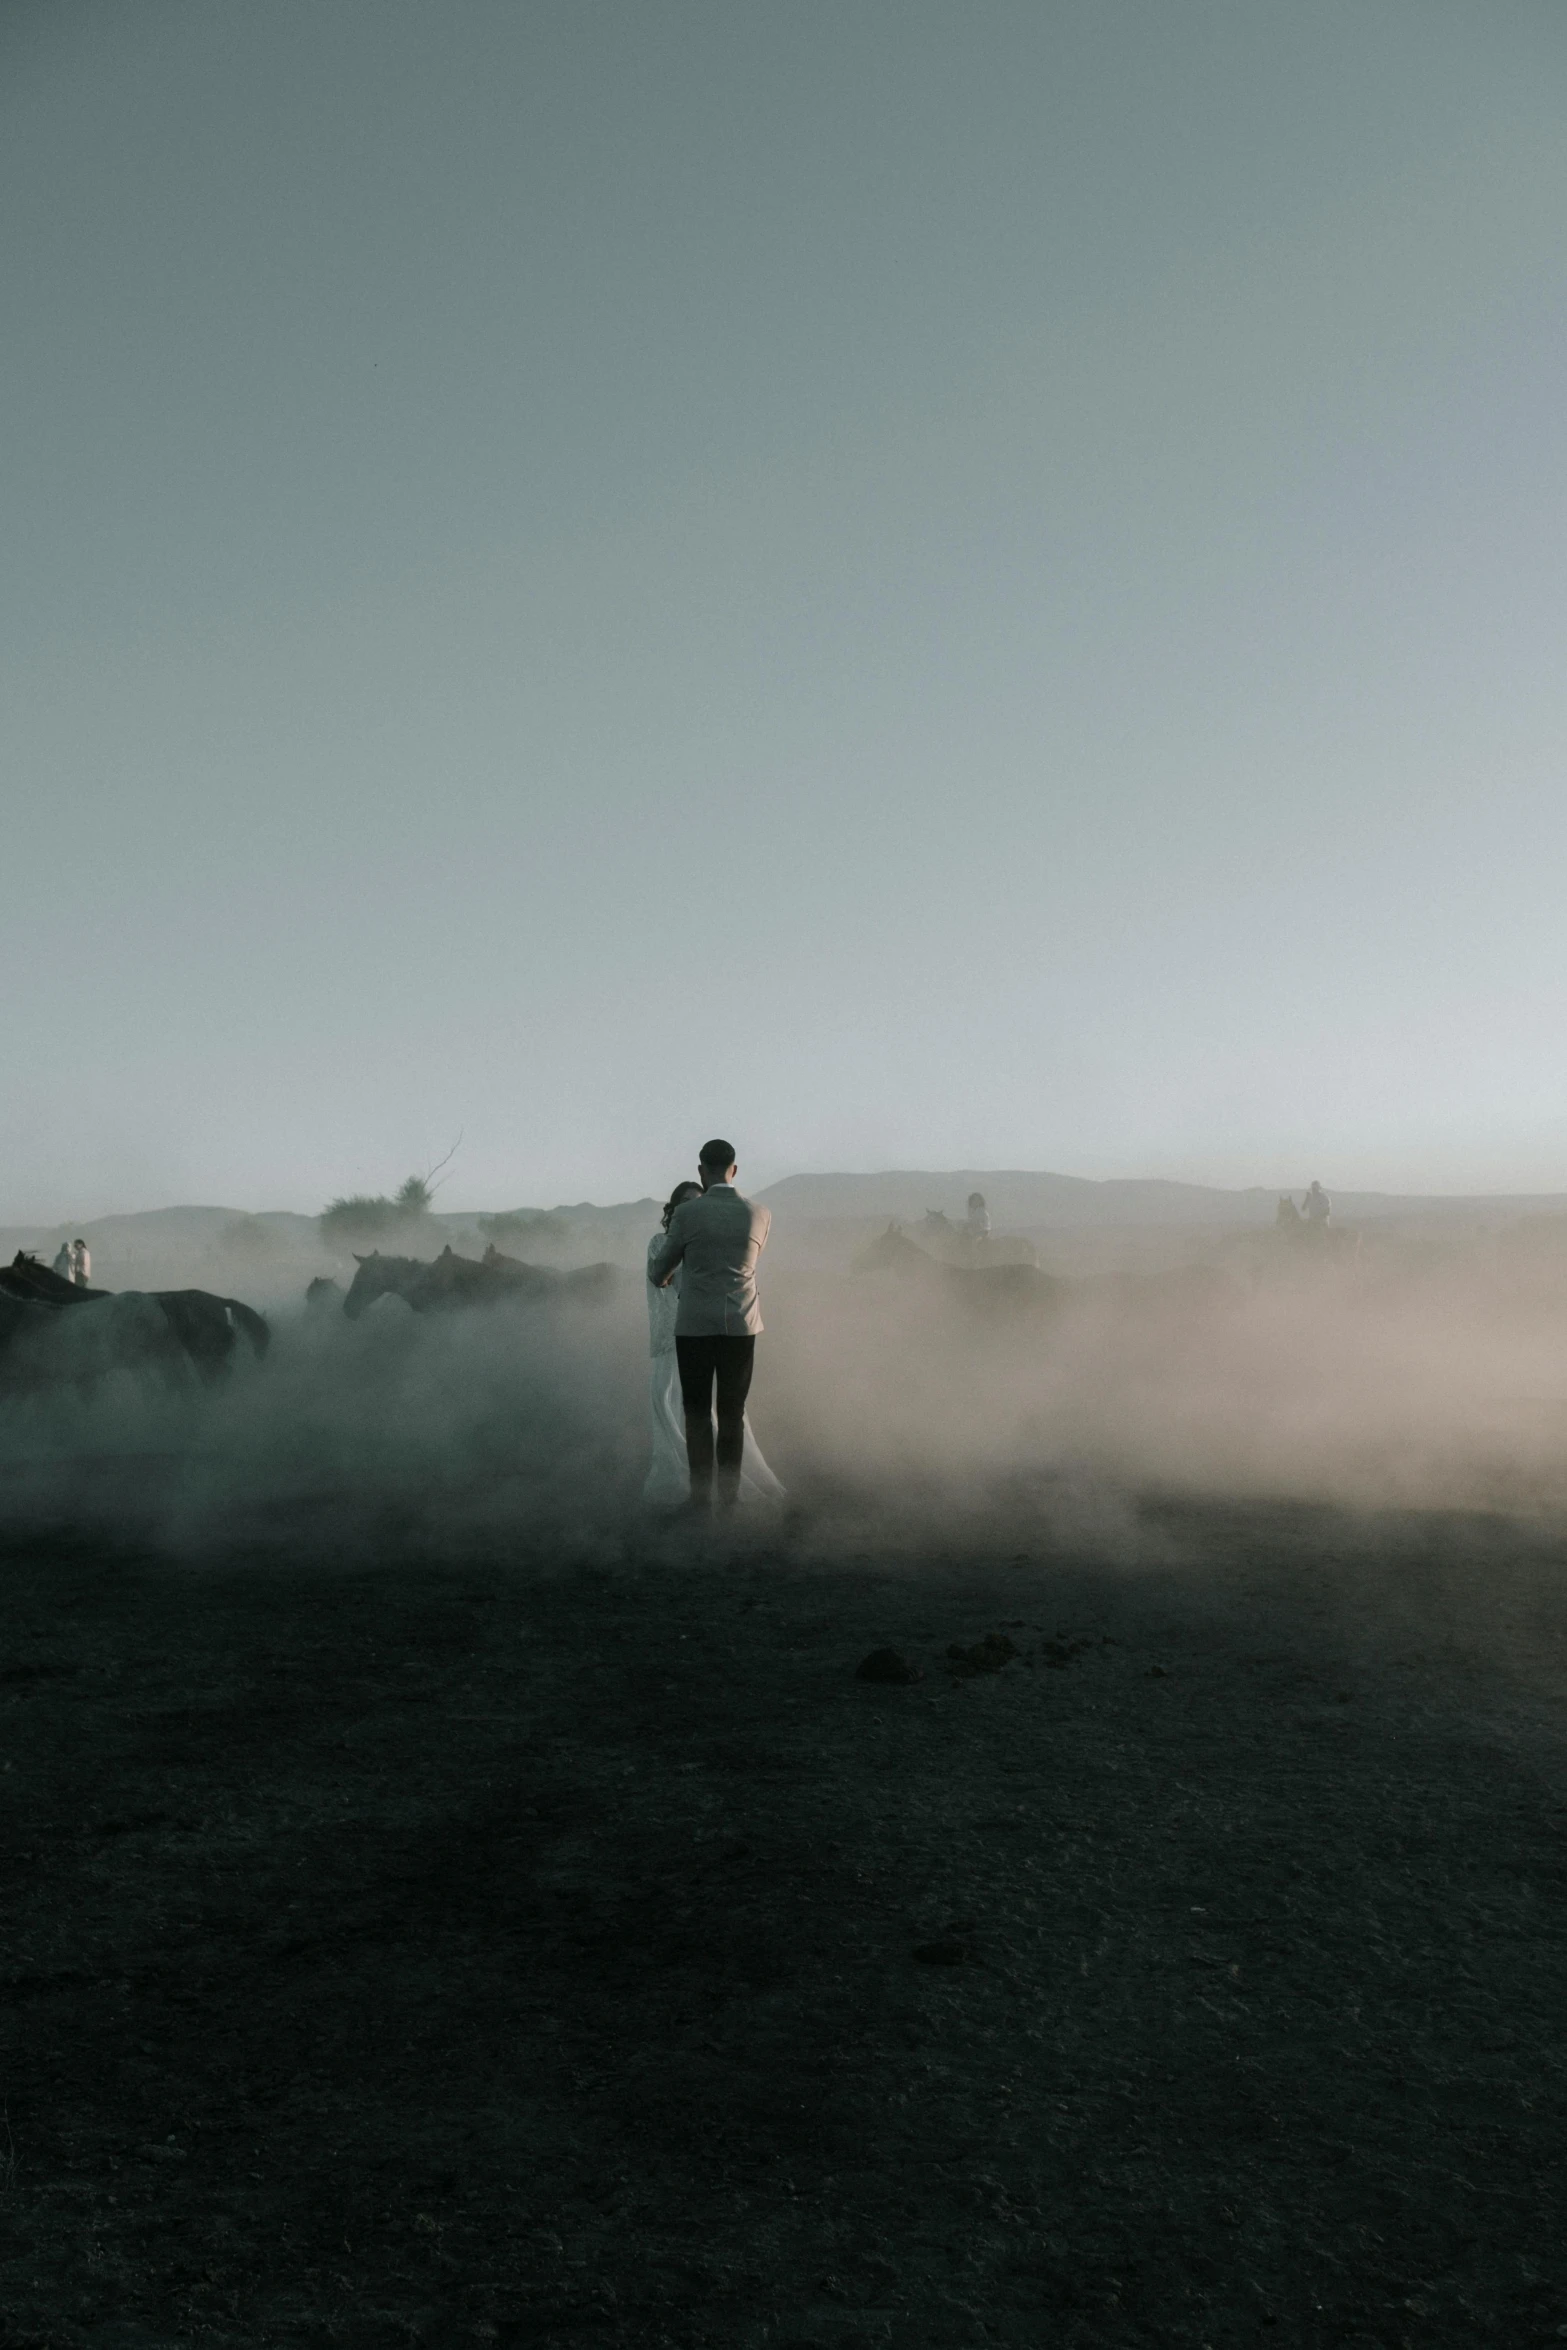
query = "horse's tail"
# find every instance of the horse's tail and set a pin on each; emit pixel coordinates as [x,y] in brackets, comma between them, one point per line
[253,1324]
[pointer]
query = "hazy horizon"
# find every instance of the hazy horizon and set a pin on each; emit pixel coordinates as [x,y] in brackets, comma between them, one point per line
[918,588]
[1011,1212]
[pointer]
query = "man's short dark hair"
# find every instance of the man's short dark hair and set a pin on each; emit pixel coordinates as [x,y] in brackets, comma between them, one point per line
[718,1154]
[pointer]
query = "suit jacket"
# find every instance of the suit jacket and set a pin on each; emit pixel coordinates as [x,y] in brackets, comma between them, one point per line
[717,1239]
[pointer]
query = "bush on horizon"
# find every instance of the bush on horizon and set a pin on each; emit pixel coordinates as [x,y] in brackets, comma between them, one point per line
[372,1217]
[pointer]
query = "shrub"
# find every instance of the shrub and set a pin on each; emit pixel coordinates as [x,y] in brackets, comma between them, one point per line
[365,1221]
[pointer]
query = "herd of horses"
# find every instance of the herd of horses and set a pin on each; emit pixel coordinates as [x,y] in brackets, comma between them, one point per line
[51,1328]
[1005,1271]
[449,1281]
[54,1330]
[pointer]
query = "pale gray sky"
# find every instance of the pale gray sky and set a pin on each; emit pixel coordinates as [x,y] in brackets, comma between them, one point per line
[917,584]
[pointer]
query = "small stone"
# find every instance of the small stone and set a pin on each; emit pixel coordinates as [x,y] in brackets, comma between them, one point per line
[1158,1673]
[885,1664]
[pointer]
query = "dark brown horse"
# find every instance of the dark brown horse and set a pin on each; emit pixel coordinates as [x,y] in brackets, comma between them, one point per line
[25,1276]
[204,1327]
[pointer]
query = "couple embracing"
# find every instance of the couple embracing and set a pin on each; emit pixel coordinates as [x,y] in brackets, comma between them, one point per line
[704,1321]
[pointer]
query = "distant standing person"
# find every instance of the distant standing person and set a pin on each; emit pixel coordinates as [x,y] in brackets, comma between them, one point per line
[62,1262]
[715,1239]
[81,1263]
[1316,1207]
[977,1222]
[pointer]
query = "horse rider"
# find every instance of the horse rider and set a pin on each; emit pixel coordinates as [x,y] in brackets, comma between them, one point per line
[1317,1207]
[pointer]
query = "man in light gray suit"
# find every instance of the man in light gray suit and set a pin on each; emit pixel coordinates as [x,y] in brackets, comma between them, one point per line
[717,1238]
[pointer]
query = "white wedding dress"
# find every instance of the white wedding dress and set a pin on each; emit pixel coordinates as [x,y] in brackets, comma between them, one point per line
[669,1479]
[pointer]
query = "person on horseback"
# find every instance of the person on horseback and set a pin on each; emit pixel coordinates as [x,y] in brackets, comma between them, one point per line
[1316,1207]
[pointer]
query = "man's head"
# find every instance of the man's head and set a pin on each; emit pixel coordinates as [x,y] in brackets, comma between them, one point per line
[716,1163]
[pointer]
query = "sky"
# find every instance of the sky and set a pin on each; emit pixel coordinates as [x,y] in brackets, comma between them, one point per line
[910,585]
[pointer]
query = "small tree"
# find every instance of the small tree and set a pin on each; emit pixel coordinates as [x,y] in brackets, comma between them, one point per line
[358,1219]
[365,1219]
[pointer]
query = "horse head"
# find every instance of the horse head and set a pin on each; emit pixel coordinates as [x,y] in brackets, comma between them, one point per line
[376,1275]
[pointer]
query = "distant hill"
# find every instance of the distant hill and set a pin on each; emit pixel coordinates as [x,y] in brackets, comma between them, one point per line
[1032,1202]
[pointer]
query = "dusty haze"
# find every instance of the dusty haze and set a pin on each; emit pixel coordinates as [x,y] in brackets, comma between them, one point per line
[1423,1373]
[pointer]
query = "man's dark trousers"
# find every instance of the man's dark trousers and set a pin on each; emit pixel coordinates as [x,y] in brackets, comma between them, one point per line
[703,1361]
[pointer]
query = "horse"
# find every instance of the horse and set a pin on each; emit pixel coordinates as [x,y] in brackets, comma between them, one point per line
[453,1281]
[592,1283]
[43,1344]
[204,1327]
[957,1246]
[1302,1235]
[208,1327]
[1007,1284]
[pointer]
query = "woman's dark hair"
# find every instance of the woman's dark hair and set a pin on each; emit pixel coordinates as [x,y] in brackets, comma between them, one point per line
[682,1191]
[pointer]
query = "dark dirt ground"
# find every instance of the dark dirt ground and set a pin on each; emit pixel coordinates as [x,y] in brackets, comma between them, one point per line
[522,1951]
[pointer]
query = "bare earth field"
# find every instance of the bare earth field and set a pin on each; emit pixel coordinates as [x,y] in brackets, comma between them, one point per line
[526,1949]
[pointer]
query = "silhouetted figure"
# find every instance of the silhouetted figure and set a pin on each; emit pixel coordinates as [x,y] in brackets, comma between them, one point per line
[1316,1206]
[669,1478]
[716,1240]
[977,1222]
[81,1263]
[62,1261]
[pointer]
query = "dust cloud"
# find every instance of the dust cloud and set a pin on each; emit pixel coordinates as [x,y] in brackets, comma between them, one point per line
[896,1412]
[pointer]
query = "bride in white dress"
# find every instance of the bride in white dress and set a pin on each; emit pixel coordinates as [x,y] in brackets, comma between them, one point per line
[669,1479]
